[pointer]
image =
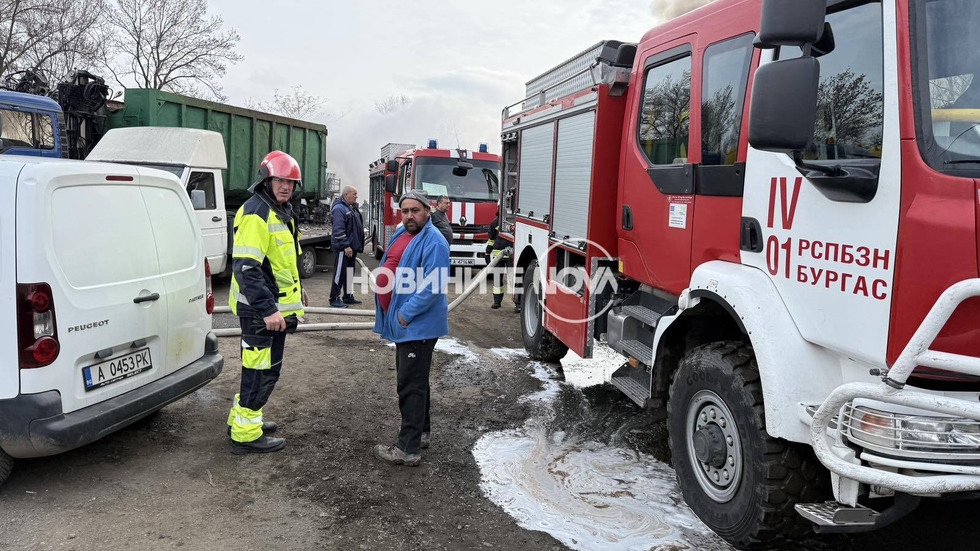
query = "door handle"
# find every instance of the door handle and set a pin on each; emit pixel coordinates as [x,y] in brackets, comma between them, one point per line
[147,298]
[216,219]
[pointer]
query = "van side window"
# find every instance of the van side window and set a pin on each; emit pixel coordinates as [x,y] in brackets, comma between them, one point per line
[45,132]
[203,181]
[850,99]
[725,74]
[665,114]
[16,129]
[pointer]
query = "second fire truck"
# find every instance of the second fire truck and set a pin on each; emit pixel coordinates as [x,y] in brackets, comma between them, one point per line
[770,207]
[471,180]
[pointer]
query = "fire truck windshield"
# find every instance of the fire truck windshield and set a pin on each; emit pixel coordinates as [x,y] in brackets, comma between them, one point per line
[434,175]
[948,50]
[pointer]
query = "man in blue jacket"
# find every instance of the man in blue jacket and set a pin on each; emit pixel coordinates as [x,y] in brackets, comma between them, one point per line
[412,311]
[346,240]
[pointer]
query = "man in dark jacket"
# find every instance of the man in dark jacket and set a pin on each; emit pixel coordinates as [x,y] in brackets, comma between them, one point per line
[346,241]
[440,220]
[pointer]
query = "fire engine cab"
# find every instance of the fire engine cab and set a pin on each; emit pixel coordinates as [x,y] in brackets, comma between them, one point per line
[470,179]
[769,207]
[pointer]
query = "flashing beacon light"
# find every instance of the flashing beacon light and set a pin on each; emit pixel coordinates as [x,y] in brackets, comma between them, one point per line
[432,143]
[484,148]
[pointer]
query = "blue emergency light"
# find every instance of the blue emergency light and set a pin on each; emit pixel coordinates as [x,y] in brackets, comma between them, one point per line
[484,148]
[432,144]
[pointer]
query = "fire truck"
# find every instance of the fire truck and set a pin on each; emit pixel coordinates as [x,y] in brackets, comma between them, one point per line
[470,179]
[770,209]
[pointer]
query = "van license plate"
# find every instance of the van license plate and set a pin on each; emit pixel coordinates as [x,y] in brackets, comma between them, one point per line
[116,369]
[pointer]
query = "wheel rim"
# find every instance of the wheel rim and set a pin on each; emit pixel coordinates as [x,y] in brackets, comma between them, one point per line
[532,307]
[309,262]
[708,417]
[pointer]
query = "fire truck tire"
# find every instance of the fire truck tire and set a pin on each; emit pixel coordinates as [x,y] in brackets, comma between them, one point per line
[739,480]
[6,466]
[540,344]
[307,263]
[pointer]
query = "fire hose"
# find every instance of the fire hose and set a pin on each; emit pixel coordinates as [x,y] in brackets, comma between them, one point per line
[355,326]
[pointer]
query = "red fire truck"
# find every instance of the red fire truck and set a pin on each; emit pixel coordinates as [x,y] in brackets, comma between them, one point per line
[469,178]
[770,208]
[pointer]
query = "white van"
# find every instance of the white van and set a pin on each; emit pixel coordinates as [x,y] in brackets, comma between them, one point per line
[106,294]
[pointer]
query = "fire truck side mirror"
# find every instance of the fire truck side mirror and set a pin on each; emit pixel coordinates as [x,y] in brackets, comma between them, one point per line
[784,105]
[391,183]
[392,166]
[791,22]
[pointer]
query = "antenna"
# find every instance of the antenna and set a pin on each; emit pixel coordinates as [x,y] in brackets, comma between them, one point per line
[457,136]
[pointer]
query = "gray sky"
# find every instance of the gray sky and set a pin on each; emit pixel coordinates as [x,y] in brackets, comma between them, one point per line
[459,61]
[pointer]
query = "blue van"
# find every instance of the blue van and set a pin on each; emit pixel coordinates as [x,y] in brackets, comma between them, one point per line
[31,125]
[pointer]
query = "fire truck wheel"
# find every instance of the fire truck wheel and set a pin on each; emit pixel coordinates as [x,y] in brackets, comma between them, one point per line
[540,344]
[739,480]
[6,465]
[307,263]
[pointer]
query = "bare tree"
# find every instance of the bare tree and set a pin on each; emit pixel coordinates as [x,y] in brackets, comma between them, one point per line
[171,45]
[297,104]
[849,111]
[391,103]
[54,36]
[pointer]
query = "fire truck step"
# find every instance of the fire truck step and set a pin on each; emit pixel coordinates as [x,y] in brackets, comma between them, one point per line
[838,517]
[637,350]
[633,381]
[642,313]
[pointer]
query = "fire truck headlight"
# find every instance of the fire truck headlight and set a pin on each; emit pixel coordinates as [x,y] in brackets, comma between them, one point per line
[882,430]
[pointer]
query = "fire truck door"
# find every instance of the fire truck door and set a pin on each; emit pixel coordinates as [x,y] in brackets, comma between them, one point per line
[658,177]
[831,252]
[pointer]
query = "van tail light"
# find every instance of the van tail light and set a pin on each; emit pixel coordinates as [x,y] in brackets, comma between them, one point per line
[208,295]
[37,330]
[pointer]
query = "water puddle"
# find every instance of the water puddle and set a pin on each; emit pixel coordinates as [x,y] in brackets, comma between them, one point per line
[562,472]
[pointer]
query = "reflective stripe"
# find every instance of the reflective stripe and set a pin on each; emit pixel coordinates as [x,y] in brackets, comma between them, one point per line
[252,252]
[256,358]
[289,307]
[246,424]
[273,228]
[239,297]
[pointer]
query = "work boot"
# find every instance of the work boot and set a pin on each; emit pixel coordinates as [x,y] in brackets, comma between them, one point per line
[425,439]
[497,299]
[495,305]
[395,456]
[268,427]
[337,303]
[264,444]
[349,299]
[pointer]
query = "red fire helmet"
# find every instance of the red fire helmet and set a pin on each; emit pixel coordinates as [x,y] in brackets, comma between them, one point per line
[279,165]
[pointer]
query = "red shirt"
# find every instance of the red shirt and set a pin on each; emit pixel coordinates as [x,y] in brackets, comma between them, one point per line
[395,252]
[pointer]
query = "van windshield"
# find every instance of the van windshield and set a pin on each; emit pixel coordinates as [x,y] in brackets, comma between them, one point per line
[948,54]
[435,177]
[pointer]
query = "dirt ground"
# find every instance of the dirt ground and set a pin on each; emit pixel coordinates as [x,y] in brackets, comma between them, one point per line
[170,482]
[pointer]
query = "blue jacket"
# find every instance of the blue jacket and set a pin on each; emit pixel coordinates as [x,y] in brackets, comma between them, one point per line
[347,227]
[426,310]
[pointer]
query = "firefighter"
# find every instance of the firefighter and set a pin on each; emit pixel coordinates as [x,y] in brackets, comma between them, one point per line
[495,247]
[266,295]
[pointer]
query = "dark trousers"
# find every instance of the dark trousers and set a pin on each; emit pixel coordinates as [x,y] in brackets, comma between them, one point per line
[341,263]
[258,384]
[413,360]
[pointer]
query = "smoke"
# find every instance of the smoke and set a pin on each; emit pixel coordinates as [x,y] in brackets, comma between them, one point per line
[669,9]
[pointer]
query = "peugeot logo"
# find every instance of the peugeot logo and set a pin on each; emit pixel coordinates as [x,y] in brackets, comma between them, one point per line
[462,220]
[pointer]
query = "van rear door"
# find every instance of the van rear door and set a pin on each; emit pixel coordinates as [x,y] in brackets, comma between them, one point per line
[180,256]
[85,229]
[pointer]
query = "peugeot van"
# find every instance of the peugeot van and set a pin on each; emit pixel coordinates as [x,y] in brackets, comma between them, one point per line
[106,296]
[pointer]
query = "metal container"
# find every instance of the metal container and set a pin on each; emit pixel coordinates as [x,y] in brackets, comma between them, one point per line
[248,135]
